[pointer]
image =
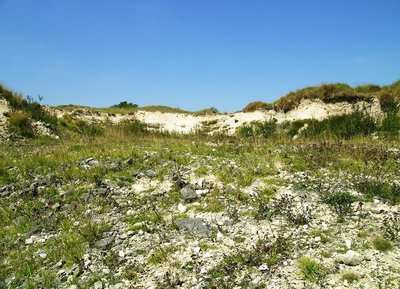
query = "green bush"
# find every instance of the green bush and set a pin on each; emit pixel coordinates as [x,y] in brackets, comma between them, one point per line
[125,104]
[341,202]
[20,124]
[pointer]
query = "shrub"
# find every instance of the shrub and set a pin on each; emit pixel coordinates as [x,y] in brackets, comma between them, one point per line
[341,202]
[20,124]
[310,269]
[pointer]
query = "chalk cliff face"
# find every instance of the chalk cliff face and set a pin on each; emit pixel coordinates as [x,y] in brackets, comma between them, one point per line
[4,108]
[227,123]
[308,109]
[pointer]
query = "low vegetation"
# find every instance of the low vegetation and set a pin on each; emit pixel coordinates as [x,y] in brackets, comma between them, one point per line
[109,205]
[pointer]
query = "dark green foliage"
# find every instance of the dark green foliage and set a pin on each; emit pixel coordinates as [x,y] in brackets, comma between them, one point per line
[391,124]
[383,190]
[266,129]
[292,127]
[341,202]
[245,131]
[125,104]
[20,124]
[343,126]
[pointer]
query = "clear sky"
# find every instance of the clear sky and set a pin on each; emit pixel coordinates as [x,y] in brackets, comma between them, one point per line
[193,54]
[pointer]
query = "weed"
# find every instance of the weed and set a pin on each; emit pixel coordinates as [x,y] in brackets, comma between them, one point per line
[350,277]
[382,244]
[311,270]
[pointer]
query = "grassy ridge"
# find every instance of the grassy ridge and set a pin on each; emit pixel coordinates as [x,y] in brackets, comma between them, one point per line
[330,93]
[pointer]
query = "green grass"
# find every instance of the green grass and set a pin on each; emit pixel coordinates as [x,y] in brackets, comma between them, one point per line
[350,277]
[382,244]
[311,270]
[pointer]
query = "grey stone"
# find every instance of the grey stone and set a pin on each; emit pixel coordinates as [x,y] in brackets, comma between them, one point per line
[98,285]
[150,173]
[193,225]
[351,258]
[103,243]
[188,193]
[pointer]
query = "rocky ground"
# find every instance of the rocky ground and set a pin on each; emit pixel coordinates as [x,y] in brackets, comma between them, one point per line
[199,212]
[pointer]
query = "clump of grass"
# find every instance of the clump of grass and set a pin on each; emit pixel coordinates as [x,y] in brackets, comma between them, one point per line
[20,124]
[350,277]
[311,270]
[381,244]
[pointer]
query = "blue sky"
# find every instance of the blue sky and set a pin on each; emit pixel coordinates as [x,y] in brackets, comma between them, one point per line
[193,54]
